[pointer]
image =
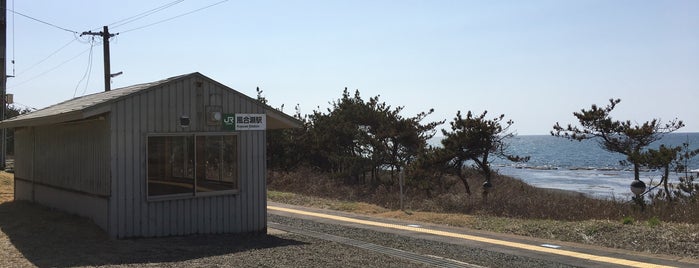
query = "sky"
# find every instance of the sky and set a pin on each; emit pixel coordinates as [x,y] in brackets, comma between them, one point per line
[537,62]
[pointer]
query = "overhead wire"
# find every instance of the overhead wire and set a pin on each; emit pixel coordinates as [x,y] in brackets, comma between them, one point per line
[47,57]
[50,70]
[175,17]
[143,14]
[41,21]
[93,42]
[88,70]
[75,38]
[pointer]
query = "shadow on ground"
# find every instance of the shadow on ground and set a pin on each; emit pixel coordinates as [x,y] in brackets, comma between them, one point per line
[51,238]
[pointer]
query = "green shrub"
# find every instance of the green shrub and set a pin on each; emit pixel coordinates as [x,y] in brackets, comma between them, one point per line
[653,222]
[627,220]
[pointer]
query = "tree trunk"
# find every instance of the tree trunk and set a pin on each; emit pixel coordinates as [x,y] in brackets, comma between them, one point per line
[666,177]
[463,179]
[636,172]
[486,172]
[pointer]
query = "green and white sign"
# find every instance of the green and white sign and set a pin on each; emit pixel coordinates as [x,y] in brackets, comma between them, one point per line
[242,122]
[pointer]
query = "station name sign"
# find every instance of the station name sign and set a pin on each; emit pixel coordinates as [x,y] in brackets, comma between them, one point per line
[242,122]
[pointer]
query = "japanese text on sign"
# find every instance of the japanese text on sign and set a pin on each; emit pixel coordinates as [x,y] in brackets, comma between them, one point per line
[245,122]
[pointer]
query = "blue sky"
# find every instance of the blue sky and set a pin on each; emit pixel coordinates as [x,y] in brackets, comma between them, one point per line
[534,61]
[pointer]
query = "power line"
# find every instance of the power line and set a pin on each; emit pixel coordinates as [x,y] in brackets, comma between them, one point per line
[47,57]
[172,18]
[142,15]
[88,70]
[105,45]
[50,70]
[41,21]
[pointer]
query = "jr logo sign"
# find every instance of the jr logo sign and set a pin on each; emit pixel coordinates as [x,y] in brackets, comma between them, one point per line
[241,122]
[228,122]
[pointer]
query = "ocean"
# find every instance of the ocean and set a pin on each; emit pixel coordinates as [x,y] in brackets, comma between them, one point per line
[584,166]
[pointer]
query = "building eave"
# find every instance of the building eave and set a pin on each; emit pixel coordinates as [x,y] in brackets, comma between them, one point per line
[45,120]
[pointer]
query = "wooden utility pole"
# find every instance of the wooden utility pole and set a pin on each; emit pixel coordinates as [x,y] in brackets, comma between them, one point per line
[105,44]
[3,80]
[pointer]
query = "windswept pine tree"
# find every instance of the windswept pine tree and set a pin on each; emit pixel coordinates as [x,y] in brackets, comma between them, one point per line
[624,137]
[354,139]
[476,139]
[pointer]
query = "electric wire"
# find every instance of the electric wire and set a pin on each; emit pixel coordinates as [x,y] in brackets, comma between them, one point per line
[83,39]
[88,70]
[47,57]
[41,21]
[50,70]
[143,14]
[94,43]
[175,17]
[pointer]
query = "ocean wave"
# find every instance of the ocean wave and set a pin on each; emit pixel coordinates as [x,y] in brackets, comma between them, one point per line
[576,168]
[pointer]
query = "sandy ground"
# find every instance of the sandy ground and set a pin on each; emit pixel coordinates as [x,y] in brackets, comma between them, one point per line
[32,235]
[36,236]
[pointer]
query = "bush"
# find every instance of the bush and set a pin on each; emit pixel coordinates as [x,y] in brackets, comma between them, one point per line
[653,222]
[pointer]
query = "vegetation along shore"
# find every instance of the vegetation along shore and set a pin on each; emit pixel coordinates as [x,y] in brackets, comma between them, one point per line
[364,156]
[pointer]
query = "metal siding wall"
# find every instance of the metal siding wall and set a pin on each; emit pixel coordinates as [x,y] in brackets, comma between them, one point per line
[122,210]
[73,156]
[244,173]
[112,228]
[140,154]
[72,166]
[158,111]
[231,104]
[24,162]
[24,153]
[152,218]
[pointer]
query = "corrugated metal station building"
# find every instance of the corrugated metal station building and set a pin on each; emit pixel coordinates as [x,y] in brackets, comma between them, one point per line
[184,155]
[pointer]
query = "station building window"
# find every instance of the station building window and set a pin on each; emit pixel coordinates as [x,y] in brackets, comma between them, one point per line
[198,164]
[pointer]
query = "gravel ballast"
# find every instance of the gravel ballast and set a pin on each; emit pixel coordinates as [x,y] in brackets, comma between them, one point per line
[37,236]
[425,247]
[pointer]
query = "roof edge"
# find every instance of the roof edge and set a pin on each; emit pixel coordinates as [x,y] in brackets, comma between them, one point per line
[46,120]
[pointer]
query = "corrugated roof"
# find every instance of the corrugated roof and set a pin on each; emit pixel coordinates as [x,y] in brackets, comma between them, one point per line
[90,105]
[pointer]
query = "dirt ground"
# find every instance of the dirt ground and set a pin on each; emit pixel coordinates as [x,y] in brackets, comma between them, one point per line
[33,235]
[6,187]
[36,236]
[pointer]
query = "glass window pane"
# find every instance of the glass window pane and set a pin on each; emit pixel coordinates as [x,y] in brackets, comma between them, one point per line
[229,167]
[215,158]
[170,165]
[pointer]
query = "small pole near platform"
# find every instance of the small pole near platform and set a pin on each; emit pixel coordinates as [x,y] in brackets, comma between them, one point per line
[3,80]
[401,181]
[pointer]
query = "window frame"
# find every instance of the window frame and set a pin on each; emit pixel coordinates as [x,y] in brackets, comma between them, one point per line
[194,193]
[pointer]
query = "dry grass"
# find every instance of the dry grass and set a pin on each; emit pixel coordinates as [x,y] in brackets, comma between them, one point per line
[514,208]
[510,198]
[6,187]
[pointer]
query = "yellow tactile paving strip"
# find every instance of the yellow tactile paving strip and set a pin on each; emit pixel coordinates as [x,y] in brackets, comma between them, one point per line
[585,256]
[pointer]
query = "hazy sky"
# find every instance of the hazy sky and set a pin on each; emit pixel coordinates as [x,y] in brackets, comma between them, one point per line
[534,61]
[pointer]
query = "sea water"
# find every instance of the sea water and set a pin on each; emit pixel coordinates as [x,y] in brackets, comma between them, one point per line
[583,166]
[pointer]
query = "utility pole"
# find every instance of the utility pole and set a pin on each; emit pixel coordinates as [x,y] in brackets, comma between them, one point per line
[3,80]
[105,44]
